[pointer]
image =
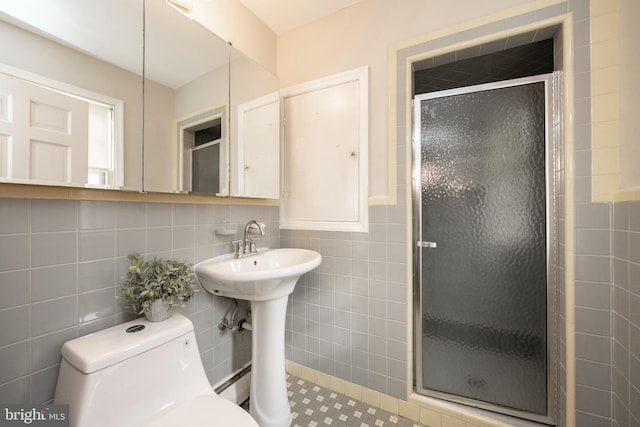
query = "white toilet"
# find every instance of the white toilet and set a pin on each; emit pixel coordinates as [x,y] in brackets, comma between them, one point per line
[142,373]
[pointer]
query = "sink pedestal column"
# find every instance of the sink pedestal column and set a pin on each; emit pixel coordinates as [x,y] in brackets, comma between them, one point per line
[269,401]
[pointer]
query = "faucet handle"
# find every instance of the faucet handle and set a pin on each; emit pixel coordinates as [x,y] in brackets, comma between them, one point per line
[252,245]
[239,250]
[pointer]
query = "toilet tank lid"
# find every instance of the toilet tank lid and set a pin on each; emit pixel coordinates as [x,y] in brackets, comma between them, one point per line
[104,348]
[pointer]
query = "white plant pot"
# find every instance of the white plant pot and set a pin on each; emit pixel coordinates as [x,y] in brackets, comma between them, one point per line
[158,311]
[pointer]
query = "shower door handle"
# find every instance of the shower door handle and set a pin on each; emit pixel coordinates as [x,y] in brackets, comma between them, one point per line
[422,244]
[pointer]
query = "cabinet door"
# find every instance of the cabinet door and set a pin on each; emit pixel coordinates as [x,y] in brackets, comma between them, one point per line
[259,148]
[325,159]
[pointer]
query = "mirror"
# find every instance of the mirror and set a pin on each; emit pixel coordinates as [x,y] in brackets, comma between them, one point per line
[69,76]
[199,120]
[216,128]
[186,93]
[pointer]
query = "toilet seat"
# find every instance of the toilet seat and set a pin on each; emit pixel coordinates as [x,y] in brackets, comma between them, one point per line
[205,410]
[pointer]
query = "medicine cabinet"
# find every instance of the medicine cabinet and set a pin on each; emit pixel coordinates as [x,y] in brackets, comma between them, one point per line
[325,160]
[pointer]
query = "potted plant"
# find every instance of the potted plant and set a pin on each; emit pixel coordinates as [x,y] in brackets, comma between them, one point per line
[155,287]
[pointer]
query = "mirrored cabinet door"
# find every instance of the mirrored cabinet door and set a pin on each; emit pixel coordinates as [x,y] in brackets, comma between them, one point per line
[186,97]
[69,96]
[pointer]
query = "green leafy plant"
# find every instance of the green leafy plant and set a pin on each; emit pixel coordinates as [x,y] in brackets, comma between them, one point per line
[170,280]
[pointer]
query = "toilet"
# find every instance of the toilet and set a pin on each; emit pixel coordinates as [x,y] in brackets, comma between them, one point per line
[141,373]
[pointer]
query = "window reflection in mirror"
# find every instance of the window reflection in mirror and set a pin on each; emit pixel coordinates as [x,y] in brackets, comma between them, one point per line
[71,99]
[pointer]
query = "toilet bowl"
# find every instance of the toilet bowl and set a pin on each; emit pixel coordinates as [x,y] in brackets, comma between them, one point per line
[141,373]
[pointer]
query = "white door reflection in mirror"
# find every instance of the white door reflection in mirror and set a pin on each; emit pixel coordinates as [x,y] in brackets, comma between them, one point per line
[45,126]
[259,148]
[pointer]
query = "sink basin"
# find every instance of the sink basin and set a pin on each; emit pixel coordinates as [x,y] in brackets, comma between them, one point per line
[270,274]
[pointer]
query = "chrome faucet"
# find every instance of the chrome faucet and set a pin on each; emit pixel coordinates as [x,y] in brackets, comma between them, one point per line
[247,246]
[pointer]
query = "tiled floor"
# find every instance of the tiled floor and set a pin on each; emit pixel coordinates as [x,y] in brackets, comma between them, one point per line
[315,406]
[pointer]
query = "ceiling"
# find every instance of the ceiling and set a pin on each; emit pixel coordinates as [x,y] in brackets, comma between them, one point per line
[284,15]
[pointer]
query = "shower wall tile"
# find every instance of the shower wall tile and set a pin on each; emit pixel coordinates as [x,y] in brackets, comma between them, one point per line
[593,242]
[596,375]
[60,265]
[593,215]
[634,217]
[594,322]
[593,347]
[593,295]
[582,190]
[592,268]
[593,401]
[627,320]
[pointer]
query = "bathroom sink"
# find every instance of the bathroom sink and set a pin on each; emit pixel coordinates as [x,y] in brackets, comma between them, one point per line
[271,274]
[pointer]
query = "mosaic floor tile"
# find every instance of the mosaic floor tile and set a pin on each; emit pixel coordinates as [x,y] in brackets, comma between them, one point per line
[315,406]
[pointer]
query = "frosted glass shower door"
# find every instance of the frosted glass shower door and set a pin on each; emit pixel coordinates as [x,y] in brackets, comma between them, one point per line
[481,194]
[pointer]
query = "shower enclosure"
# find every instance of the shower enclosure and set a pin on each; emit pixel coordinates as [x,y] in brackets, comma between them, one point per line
[484,254]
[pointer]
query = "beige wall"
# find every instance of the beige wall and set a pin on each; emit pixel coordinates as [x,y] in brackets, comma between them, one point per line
[630,96]
[615,63]
[360,36]
[605,84]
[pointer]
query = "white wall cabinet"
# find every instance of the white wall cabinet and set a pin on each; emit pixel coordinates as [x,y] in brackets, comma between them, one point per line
[258,148]
[325,154]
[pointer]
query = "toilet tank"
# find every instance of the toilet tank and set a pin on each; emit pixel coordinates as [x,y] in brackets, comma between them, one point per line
[124,375]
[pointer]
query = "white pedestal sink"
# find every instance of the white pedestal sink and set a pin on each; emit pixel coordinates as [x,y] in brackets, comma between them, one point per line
[266,280]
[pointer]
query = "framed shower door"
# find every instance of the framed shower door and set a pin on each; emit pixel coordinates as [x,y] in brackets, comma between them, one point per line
[483,192]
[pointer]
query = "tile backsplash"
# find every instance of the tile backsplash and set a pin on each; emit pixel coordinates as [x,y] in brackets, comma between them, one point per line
[61,262]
